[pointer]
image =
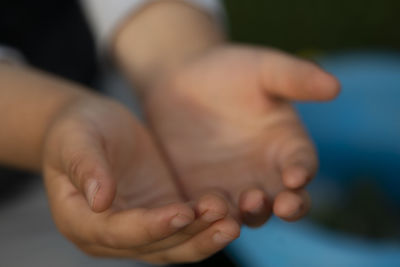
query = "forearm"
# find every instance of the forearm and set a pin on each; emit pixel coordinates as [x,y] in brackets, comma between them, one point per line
[161,36]
[29,102]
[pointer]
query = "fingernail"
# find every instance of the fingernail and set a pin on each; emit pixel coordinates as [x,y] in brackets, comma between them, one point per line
[211,216]
[222,238]
[180,221]
[92,186]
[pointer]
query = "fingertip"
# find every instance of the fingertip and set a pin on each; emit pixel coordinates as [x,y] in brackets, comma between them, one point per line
[295,177]
[291,206]
[298,168]
[336,86]
[100,194]
[326,85]
[212,207]
[254,207]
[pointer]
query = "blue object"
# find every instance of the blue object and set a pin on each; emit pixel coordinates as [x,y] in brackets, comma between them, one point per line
[357,134]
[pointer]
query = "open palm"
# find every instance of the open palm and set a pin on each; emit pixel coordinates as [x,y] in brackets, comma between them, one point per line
[225,123]
[112,195]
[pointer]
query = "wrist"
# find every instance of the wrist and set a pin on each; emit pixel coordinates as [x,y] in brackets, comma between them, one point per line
[179,32]
[39,97]
[77,107]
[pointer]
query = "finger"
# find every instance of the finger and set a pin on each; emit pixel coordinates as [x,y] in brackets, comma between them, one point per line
[201,246]
[293,78]
[198,247]
[254,207]
[209,209]
[85,162]
[291,205]
[212,207]
[125,229]
[296,158]
[299,167]
[141,227]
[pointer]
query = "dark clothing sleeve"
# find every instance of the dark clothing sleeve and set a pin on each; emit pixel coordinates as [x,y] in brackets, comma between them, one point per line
[52,35]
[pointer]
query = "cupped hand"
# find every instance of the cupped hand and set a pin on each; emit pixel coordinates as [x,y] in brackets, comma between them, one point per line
[225,122]
[112,195]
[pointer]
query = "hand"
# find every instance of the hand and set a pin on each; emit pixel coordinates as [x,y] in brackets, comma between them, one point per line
[224,121]
[112,195]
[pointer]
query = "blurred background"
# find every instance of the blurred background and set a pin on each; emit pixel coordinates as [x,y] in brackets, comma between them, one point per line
[355,220]
[312,25]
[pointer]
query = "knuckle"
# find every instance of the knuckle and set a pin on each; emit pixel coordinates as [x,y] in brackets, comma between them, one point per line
[109,239]
[75,170]
[79,168]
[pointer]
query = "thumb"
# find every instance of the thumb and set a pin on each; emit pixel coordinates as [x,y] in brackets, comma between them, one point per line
[292,78]
[87,167]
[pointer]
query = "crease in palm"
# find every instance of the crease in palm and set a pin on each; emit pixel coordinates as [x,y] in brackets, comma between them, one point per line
[222,131]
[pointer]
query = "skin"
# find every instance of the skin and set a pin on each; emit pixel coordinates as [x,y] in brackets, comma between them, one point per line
[109,190]
[225,145]
[221,112]
[232,132]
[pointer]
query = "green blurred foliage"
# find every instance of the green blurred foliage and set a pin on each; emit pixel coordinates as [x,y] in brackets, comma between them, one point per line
[316,24]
